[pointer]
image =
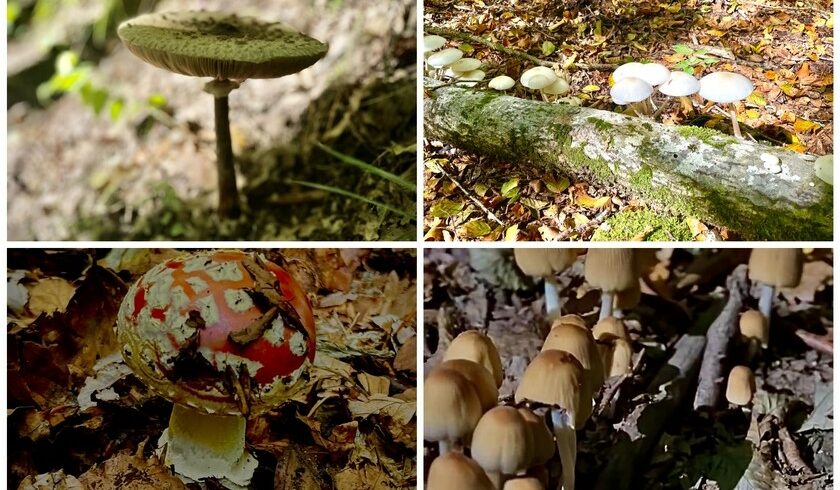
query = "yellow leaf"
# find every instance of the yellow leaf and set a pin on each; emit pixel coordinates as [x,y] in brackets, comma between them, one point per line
[594,202]
[802,126]
[757,99]
[752,114]
[797,147]
[580,219]
[715,33]
[591,88]
[788,89]
[511,233]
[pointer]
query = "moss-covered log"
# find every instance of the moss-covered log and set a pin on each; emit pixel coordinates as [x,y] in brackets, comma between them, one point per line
[762,192]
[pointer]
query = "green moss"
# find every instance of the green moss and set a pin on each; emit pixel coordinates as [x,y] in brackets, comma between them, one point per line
[642,179]
[709,136]
[600,124]
[648,126]
[627,225]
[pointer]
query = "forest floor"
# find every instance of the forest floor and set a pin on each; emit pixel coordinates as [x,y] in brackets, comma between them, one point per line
[682,293]
[149,172]
[785,48]
[77,415]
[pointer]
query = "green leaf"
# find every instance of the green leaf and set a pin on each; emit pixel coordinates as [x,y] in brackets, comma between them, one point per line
[548,48]
[556,185]
[467,49]
[157,101]
[116,109]
[445,208]
[480,189]
[93,97]
[511,233]
[683,49]
[66,62]
[510,189]
[477,228]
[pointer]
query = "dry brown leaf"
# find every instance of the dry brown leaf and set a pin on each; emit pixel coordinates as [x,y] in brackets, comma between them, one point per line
[49,295]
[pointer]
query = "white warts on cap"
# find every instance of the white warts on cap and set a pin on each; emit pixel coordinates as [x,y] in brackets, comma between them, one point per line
[238,300]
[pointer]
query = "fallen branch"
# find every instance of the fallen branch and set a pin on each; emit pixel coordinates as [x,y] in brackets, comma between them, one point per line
[721,331]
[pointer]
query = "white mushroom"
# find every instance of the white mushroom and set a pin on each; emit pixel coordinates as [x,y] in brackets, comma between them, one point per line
[444,58]
[726,88]
[432,43]
[630,91]
[632,69]
[681,84]
[824,168]
[559,87]
[465,64]
[502,83]
[654,73]
[538,77]
[470,78]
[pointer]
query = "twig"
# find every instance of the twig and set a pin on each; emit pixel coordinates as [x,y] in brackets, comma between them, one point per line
[784,7]
[463,36]
[791,453]
[721,331]
[473,199]
[821,343]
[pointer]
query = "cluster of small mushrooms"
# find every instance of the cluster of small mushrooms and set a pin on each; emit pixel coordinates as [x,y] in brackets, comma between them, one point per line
[450,62]
[509,446]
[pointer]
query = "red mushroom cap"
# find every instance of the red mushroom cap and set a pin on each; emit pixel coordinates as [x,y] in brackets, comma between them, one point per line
[223,331]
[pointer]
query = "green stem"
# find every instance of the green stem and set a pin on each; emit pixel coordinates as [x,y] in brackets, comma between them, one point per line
[342,192]
[369,168]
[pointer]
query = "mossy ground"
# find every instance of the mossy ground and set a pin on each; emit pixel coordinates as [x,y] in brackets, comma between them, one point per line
[643,224]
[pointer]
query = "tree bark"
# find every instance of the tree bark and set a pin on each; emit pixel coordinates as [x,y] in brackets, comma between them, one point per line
[689,171]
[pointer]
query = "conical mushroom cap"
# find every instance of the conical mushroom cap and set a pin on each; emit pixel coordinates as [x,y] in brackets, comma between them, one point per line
[454,471]
[578,341]
[556,378]
[753,325]
[479,377]
[570,319]
[616,355]
[541,436]
[544,262]
[611,269]
[610,326]
[779,267]
[475,346]
[502,441]
[740,387]
[451,406]
[219,45]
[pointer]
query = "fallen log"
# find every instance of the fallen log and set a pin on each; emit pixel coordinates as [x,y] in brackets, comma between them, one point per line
[762,192]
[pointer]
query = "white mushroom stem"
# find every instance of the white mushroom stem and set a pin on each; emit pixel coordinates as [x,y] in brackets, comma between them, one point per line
[552,297]
[444,447]
[618,313]
[735,126]
[765,301]
[200,445]
[564,432]
[607,298]
[687,106]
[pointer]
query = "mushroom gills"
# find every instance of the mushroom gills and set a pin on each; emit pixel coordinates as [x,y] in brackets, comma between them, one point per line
[200,445]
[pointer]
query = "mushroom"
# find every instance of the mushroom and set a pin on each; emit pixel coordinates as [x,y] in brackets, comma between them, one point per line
[444,58]
[616,355]
[755,331]
[432,43]
[610,326]
[451,409]
[227,48]
[824,168]
[470,78]
[465,65]
[740,387]
[541,438]
[681,84]
[502,444]
[454,471]
[222,335]
[627,70]
[610,270]
[557,379]
[630,91]
[524,483]
[546,263]
[538,77]
[502,83]
[480,379]
[571,320]
[726,88]
[578,341]
[475,346]
[557,88]
[774,268]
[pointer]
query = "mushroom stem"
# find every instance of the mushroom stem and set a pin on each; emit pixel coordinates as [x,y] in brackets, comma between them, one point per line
[444,447]
[687,106]
[566,437]
[736,128]
[765,301]
[226,174]
[200,445]
[606,305]
[552,297]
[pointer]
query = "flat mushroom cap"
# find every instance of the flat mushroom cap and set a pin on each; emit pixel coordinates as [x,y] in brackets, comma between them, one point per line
[450,405]
[632,69]
[523,483]
[611,269]
[432,43]
[779,267]
[541,437]
[184,329]
[538,77]
[502,82]
[543,262]
[740,387]
[454,471]
[559,87]
[578,341]
[465,64]
[724,87]
[502,441]
[479,377]
[629,90]
[753,325]
[557,379]
[470,78]
[219,45]
[680,84]
[654,73]
[445,57]
[476,346]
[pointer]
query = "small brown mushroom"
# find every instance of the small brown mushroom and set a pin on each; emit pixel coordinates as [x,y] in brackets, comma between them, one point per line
[502,444]
[479,377]
[611,270]
[475,346]
[740,387]
[454,471]
[546,263]
[774,268]
[451,408]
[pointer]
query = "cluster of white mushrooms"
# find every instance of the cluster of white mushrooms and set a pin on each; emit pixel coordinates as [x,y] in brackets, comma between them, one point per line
[487,446]
[635,83]
[450,62]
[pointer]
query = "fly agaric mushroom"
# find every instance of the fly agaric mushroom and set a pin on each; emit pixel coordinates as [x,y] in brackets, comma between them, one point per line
[824,168]
[726,88]
[774,268]
[610,270]
[475,346]
[546,263]
[683,85]
[451,407]
[479,377]
[524,483]
[578,341]
[740,387]
[222,335]
[502,83]
[454,471]
[630,91]
[502,444]
[557,379]
[227,48]
[755,331]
